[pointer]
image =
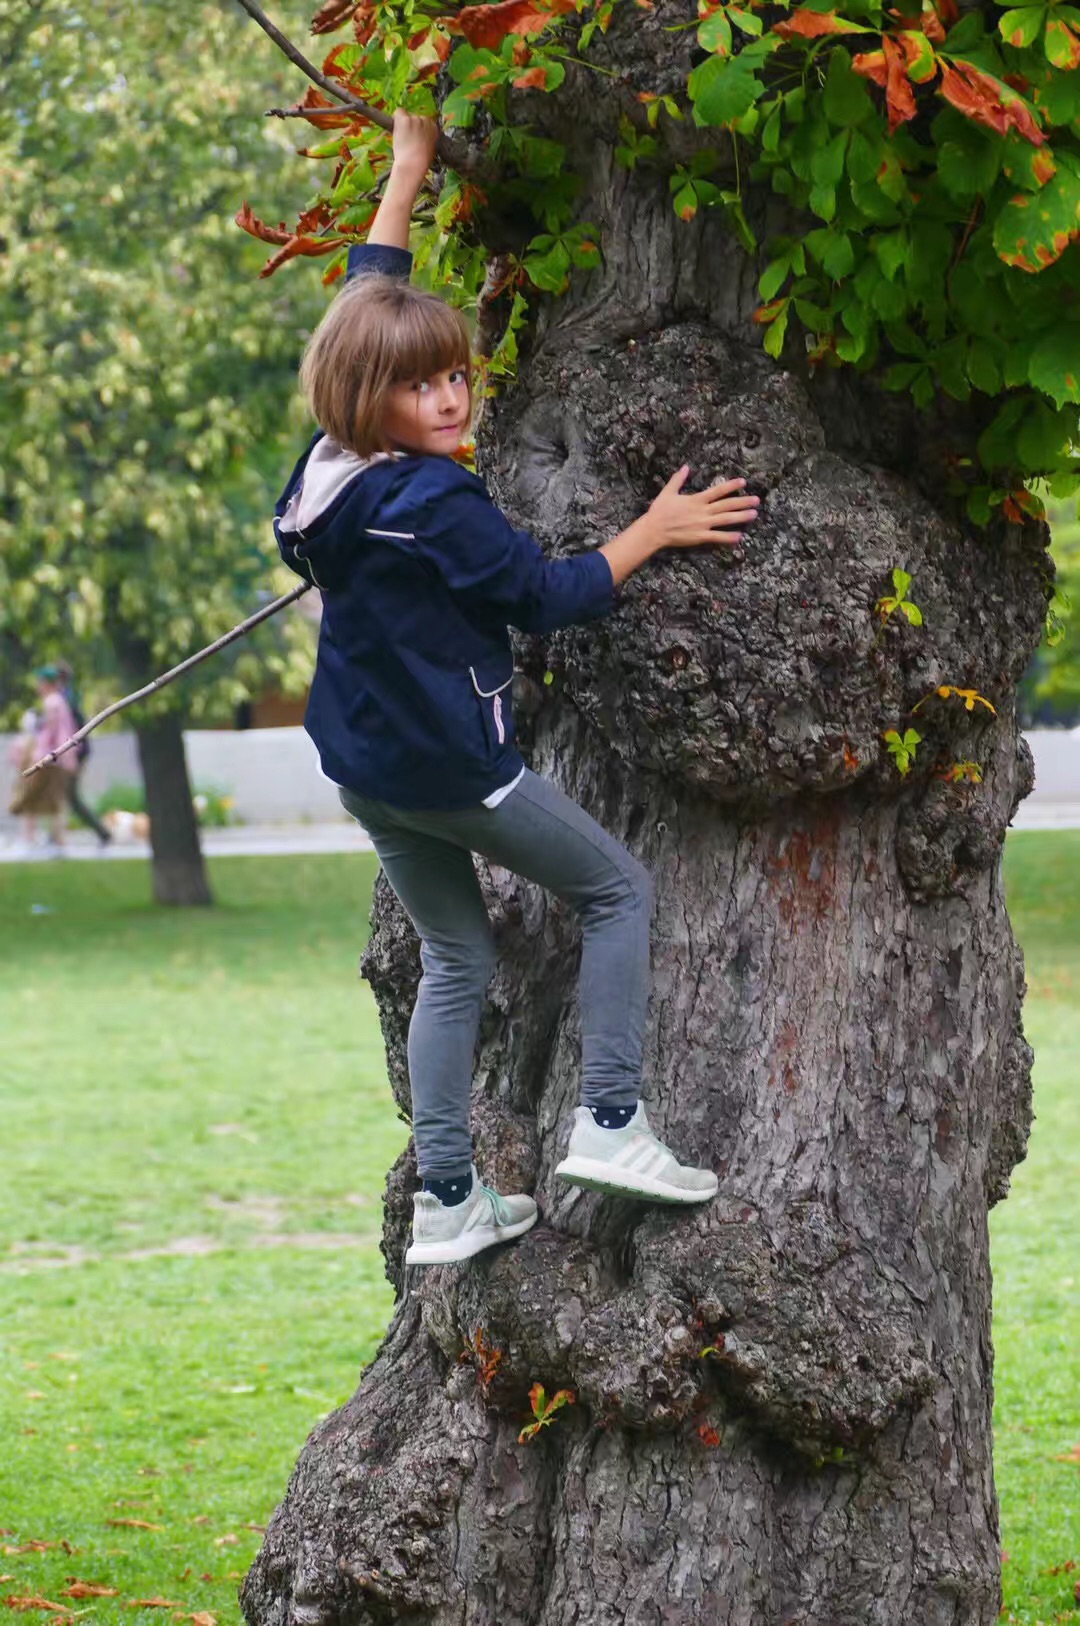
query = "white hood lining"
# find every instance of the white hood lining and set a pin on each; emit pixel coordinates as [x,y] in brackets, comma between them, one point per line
[327,472]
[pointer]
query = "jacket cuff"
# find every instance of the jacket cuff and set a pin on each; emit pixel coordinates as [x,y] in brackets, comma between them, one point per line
[599,584]
[381,258]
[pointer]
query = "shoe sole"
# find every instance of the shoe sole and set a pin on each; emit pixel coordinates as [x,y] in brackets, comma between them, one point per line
[464,1247]
[596,1176]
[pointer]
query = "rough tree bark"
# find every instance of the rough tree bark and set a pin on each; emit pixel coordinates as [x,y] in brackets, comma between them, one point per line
[835,1024]
[177,867]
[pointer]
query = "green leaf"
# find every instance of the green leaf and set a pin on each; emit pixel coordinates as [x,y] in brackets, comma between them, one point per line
[1054,367]
[1034,230]
[839,256]
[774,333]
[893,250]
[968,167]
[901,580]
[913,613]
[1062,44]
[823,201]
[774,276]
[827,164]
[715,34]
[847,99]
[1022,26]
[723,88]
[685,201]
[982,367]
[748,21]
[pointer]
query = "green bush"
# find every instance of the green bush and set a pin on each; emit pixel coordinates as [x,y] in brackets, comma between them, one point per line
[213,806]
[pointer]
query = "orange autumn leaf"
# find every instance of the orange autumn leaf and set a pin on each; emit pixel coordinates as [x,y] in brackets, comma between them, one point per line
[532,79]
[203,1618]
[332,15]
[899,95]
[708,1435]
[487,26]
[152,1603]
[322,111]
[134,1524]
[985,100]
[36,1603]
[932,26]
[871,65]
[87,1589]
[807,24]
[364,24]
[310,248]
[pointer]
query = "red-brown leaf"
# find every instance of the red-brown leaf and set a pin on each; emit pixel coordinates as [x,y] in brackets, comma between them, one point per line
[87,1589]
[807,24]
[249,221]
[332,15]
[36,1603]
[979,96]
[871,64]
[310,248]
[899,95]
[532,79]
[487,26]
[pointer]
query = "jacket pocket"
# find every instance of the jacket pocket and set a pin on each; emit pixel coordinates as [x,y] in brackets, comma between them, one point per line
[491,680]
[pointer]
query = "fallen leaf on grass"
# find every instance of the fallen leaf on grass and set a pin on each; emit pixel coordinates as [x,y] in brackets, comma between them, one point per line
[87,1589]
[1070,1456]
[135,1524]
[32,1546]
[228,1540]
[261,1528]
[36,1603]
[7,1578]
[153,1603]
[201,1518]
[203,1618]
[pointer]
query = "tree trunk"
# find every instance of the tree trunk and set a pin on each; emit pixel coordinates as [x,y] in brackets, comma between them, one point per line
[835,1023]
[179,873]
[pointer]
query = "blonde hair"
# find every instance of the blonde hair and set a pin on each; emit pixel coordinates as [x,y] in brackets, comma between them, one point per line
[379,331]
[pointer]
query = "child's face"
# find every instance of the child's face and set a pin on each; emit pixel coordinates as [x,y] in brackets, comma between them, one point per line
[428,414]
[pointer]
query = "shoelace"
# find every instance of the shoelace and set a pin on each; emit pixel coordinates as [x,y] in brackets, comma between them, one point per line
[502,1213]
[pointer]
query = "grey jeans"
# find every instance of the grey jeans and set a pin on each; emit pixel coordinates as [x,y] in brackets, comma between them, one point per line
[538,833]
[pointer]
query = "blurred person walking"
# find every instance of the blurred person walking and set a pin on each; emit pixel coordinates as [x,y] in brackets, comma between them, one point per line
[47,794]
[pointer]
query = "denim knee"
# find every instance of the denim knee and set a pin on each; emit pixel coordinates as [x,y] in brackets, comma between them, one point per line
[464,963]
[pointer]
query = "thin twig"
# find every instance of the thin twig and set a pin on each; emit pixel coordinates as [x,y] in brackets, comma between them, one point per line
[296,56]
[455,154]
[167,677]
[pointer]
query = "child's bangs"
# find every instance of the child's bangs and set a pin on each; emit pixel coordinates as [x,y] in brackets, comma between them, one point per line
[431,338]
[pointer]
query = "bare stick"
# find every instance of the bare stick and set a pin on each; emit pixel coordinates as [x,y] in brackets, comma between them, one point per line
[167,677]
[454,154]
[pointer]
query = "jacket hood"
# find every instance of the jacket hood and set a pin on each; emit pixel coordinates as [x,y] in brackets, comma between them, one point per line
[329,468]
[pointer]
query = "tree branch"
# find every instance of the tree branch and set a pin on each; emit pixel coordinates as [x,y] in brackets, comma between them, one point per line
[455,154]
[167,677]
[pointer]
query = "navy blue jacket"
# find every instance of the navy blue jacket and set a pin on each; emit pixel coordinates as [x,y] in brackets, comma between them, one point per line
[421,575]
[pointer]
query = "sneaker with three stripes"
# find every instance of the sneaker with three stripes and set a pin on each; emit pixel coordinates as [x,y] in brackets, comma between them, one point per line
[632,1162]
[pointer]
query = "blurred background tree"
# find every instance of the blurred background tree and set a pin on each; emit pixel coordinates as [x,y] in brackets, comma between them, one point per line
[148,375]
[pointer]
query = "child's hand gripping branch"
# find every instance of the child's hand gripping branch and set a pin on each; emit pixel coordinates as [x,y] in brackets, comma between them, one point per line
[422,575]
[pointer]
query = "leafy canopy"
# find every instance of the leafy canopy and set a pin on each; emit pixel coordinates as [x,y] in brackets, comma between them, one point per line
[145,374]
[933,157]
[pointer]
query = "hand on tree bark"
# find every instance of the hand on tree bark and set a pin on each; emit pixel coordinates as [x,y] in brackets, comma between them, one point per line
[674,520]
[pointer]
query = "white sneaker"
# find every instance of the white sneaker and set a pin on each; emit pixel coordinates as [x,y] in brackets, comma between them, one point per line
[442,1234]
[631,1161]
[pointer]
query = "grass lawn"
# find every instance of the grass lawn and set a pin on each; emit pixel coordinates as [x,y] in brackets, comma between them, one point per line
[196,1127]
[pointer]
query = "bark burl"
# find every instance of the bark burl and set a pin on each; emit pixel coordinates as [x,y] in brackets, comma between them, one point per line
[835,1023]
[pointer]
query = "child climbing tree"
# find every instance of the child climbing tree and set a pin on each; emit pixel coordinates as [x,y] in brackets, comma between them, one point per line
[832,253]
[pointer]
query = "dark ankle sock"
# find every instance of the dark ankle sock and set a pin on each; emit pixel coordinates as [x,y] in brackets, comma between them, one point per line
[450,1192]
[613,1117]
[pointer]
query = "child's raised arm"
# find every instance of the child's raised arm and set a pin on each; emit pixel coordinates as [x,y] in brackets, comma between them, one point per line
[414,140]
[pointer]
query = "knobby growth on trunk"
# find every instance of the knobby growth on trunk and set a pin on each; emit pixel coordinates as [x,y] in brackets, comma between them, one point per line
[783,1399]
